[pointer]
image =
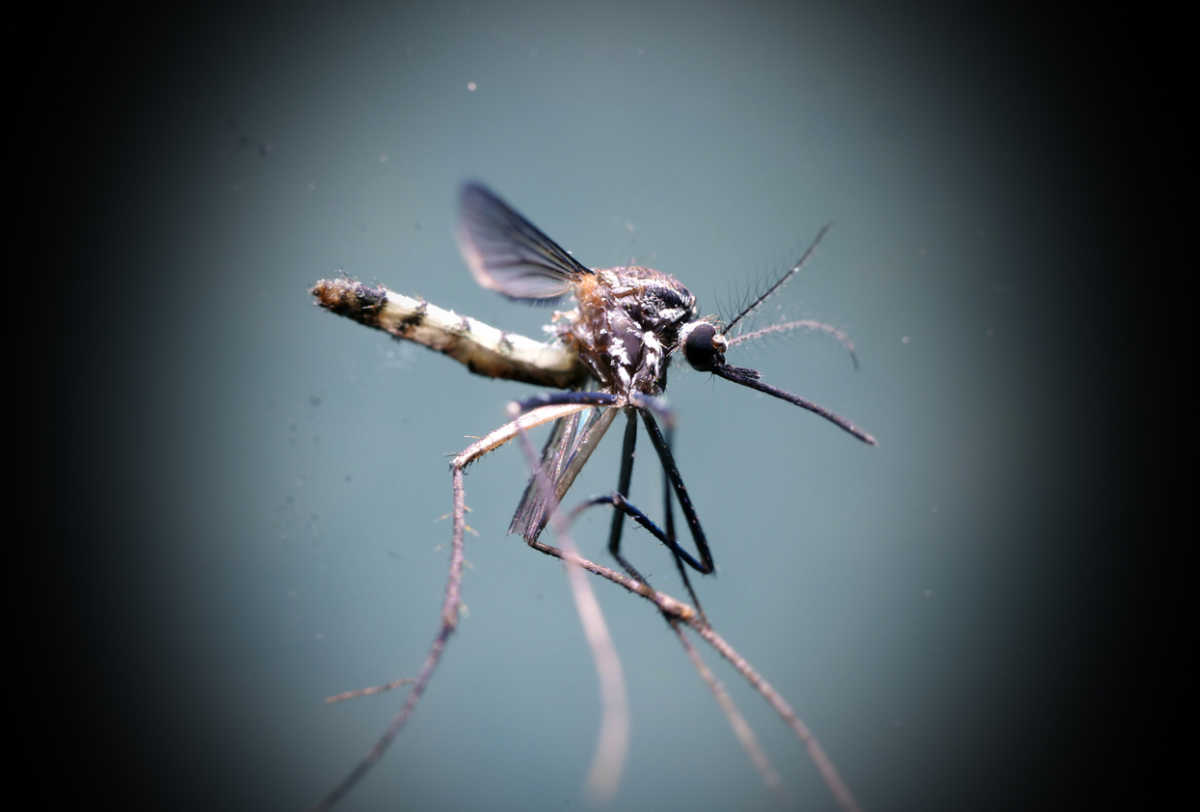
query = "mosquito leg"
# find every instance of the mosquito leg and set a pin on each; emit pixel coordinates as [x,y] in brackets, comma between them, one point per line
[560,398]
[623,509]
[627,448]
[450,604]
[668,507]
[623,480]
[655,405]
[705,565]
[741,728]
[671,479]
[531,514]
[612,745]
[449,622]
[649,402]
[669,511]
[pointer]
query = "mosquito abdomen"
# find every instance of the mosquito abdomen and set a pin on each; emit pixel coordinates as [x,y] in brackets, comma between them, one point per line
[483,349]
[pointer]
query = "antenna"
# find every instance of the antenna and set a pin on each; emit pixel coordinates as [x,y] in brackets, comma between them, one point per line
[779,283]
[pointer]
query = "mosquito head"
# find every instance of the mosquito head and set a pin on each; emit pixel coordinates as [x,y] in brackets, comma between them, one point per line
[704,348]
[703,345]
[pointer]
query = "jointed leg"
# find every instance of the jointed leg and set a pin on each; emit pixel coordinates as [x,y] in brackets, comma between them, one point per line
[669,510]
[450,604]
[671,480]
[623,481]
[705,565]
[624,508]
[559,398]
[655,405]
[613,742]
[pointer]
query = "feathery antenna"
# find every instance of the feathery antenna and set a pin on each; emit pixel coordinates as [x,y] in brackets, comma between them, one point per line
[779,283]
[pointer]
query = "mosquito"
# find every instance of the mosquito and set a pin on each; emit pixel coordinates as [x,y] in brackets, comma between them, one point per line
[609,355]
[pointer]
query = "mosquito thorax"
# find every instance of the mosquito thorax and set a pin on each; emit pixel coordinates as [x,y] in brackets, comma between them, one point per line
[703,346]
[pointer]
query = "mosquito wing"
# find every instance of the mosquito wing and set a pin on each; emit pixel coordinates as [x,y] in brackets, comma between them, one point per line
[509,254]
[571,444]
[530,516]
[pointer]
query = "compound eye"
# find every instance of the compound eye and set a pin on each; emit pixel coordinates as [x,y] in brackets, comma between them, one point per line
[703,346]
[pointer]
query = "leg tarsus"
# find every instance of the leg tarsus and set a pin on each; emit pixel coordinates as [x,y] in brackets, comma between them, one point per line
[446,628]
[625,508]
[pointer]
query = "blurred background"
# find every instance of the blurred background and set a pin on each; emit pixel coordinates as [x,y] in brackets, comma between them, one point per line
[246,495]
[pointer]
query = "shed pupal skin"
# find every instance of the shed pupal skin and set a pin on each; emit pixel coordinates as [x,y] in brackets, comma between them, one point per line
[627,324]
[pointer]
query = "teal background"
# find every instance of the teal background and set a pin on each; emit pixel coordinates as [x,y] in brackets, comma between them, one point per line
[255,486]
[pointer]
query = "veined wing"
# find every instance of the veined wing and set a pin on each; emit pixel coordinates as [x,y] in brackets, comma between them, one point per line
[568,448]
[509,254]
[530,516]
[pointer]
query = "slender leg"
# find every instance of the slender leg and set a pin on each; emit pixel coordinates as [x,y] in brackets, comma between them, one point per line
[668,508]
[671,480]
[670,521]
[604,776]
[624,508]
[654,405]
[559,398]
[449,618]
[650,403]
[626,476]
[706,565]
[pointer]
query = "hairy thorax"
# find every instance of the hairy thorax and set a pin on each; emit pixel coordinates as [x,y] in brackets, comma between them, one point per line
[627,325]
